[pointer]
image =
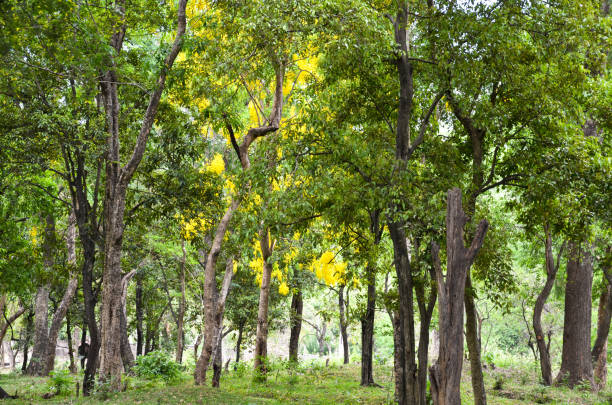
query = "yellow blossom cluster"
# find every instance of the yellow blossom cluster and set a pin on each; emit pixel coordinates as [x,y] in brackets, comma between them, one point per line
[216,165]
[33,235]
[328,270]
[190,228]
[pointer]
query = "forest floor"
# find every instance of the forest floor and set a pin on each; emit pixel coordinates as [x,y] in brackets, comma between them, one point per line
[311,384]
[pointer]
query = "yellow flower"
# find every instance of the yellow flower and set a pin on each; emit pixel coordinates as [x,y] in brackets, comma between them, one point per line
[217,165]
[283,289]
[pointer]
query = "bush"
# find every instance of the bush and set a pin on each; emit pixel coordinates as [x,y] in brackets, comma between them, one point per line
[60,381]
[157,365]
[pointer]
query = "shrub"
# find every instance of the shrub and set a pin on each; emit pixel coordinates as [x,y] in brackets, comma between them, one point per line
[157,365]
[499,382]
[60,381]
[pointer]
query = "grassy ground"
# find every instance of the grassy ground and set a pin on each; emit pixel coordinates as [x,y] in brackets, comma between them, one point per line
[311,384]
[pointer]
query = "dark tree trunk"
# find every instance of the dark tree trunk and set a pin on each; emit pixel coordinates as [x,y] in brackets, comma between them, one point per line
[398,354]
[89,300]
[5,395]
[472,338]
[239,343]
[551,274]
[139,316]
[367,330]
[72,367]
[426,309]
[445,374]
[343,325]
[600,348]
[295,322]
[576,365]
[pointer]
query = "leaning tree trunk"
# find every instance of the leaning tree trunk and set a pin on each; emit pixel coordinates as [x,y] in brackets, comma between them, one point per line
[426,309]
[445,374]
[343,324]
[367,330]
[600,348]
[295,323]
[551,274]
[261,338]
[576,365]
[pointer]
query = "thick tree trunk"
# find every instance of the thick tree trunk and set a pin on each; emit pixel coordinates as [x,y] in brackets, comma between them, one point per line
[576,365]
[551,274]
[398,355]
[367,330]
[472,338]
[181,311]
[343,325]
[139,316]
[295,322]
[600,348]
[445,374]
[39,352]
[261,338]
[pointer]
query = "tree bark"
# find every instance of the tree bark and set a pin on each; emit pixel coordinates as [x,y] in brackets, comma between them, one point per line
[239,342]
[295,322]
[600,348]
[72,365]
[343,325]
[26,344]
[551,273]
[445,373]
[218,363]
[261,338]
[117,180]
[139,316]
[576,365]
[426,309]
[181,310]
[367,330]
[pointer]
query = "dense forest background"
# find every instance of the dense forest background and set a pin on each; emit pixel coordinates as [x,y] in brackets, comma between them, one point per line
[306,200]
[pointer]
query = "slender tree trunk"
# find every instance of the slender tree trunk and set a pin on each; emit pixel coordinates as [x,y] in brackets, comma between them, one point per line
[26,344]
[239,343]
[295,322]
[196,345]
[261,339]
[472,338]
[139,316]
[600,348]
[398,355]
[445,374]
[321,338]
[56,323]
[551,274]
[426,309]
[72,367]
[367,330]
[343,325]
[576,365]
[127,356]
[181,311]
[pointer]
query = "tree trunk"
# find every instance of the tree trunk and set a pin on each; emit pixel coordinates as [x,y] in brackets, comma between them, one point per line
[56,323]
[139,316]
[218,363]
[551,274]
[181,311]
[127,357]
[295,322]
[576,365]
[239,343]
[343,325]
[600,348]
[426,309]
[196,345]
[321,338]
[5,395]
[367,330]
[72,366]
[28,336]
[472,338]
[261,338]
[445,374]
[398,355]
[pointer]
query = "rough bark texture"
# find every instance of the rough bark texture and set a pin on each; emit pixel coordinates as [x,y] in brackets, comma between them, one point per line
[126,350]
[117,180]
[181,311]
[72,364]
[56,323]
[261,338]
[551,274]
[426,308]
[576,365]
[295,323]
[445,374]
[600,348]
[367,330]
[218,364]
[343,325]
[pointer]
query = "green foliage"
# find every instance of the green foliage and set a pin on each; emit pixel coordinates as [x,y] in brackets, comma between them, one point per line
[61,381]
[157,365]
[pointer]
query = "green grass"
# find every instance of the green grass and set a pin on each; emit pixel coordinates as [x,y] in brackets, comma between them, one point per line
[309,384]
